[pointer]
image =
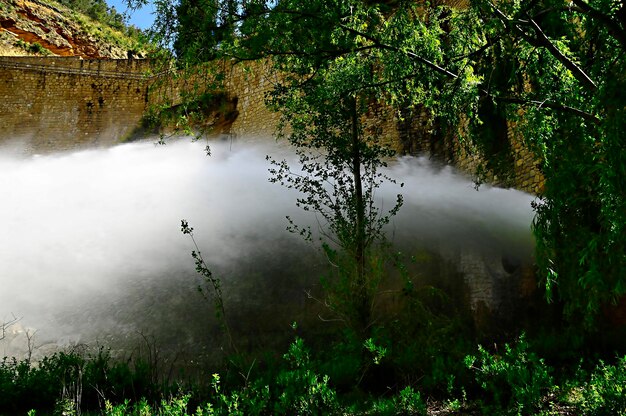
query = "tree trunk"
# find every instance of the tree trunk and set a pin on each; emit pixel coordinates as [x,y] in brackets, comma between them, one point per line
[362,301]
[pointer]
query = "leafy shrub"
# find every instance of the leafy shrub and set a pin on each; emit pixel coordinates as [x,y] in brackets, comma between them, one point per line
[605,393]
[24,385]
[408,402]
[97,10]
[38,48]
[35,47]
[302,391]
[176,406]
[518,379]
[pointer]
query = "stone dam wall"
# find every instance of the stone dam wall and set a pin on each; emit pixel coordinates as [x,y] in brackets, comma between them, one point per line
[50,104]
[60,103]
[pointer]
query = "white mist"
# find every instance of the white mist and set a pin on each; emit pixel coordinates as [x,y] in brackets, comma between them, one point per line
[91,247]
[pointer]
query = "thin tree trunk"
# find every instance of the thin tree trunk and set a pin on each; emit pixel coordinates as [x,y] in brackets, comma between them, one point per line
[362,297]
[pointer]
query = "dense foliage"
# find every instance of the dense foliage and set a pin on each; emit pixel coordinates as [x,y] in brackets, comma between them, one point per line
[515,381]
[575,62]
[548,71]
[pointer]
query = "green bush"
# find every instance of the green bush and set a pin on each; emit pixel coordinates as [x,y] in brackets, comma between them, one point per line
[176,406]
[407,402]
[302,390]
[605,392]
[25,386]
[38,48]
[98,10]
[517,380]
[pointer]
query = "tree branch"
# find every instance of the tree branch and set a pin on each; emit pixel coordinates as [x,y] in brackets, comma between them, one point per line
[513,100]
[541,40]
[568,63]
[613,27]
[5,325]
[552,105]
[410,54]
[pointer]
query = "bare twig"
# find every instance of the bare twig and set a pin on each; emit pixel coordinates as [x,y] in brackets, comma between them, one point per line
[5,325]
[203,269]
[30,339]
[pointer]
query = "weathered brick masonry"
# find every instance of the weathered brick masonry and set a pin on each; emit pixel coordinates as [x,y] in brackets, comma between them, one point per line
[250,84]
[410,132]
[62,103]
[52,104]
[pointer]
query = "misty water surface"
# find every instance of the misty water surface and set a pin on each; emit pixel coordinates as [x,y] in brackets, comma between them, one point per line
[92,250]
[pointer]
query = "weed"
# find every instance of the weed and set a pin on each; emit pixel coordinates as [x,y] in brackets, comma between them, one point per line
[517,379]
[605,392]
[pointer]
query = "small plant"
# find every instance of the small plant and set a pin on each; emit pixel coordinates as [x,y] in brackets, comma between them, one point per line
[407,402]
[38,49]
[211,281]
[302,390]
[34,48]
[517,379]
[410,402]
[378,352]
[605,392]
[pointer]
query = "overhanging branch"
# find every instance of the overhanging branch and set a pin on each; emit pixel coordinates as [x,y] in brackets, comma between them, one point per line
[541,40]
[613,27]
[552,105]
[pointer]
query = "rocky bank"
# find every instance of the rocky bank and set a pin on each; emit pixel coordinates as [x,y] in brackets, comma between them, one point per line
[36,27]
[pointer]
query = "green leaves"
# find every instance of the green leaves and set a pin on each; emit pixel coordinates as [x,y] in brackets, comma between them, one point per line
[515,377]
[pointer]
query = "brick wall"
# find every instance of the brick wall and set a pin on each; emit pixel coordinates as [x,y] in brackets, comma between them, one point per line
[63,103]
[250,83]
[411,132]
[52,104]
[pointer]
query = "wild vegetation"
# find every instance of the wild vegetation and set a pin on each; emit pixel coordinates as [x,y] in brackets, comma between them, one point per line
[553,70]
[97,10]
[110,24]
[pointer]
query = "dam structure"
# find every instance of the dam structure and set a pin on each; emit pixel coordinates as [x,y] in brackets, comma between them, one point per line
[55,104]
[51,104]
